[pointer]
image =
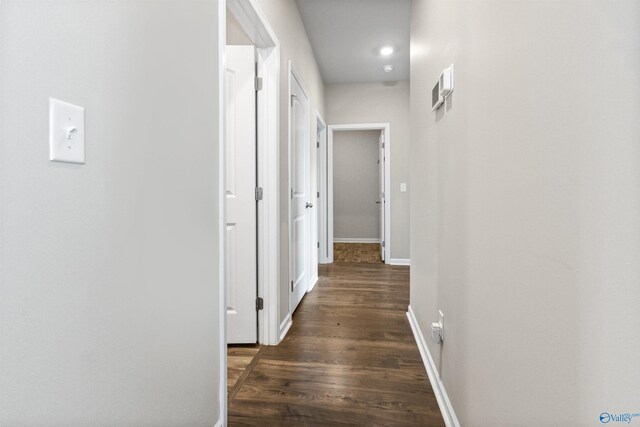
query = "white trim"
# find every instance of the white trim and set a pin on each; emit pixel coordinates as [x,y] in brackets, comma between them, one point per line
[313,282]
[250,16]
[329,193]
[285,326]
[400,261]
[444,403]
[268,209]
[218,423]
[356,240]
[252,19]
[322,188]
[222,291]
[386,128]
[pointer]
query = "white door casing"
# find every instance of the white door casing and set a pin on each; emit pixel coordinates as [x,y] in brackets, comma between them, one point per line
[240,184]
[381,195]
[301,202]
[321,206]
[314,235]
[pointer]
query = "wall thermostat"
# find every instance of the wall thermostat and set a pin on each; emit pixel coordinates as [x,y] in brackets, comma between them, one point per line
[442,89]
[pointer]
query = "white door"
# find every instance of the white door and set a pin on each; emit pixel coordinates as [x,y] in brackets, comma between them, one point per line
[240,184]
[301,201]
[381,201]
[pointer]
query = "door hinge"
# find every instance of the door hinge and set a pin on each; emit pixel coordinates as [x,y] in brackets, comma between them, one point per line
[258,83]
[259,194]
[292,286]
[318,195]
[318,245]
[383,243]
[318,144]
[259,304]
[292,193]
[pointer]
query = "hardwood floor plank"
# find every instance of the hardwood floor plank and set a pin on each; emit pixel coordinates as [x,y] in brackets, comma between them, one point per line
[240,363]
[349,359]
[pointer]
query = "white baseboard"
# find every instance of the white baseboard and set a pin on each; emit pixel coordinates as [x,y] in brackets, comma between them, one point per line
[284,326]
[218,423]
[444,403]
[313,283]
[356,240]
[399,261]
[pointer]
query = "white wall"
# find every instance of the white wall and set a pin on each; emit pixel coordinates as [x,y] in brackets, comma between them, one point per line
[109,280]
[356,184]
[284,18]
[526,204]
[381,103]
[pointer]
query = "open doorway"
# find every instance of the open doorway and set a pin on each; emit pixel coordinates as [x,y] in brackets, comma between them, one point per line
[358,206]
[250,183]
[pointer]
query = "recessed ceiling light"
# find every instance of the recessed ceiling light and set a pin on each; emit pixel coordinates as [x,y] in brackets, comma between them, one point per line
[387,68]
[386,51]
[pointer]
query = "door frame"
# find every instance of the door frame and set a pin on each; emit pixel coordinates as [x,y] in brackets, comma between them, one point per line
[321,226]
[252,19]
[293,73]
[328,191]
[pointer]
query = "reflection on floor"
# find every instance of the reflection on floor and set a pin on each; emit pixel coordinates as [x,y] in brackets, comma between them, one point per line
[368,253]
[349,359]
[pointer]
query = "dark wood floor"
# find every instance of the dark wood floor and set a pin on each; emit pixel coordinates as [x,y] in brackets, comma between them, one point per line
[349,359]
[368,253]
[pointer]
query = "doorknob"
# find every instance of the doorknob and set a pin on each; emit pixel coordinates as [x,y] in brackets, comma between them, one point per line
[308,205]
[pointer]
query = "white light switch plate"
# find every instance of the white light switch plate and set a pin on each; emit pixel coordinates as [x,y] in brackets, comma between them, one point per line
[403,187]
[66,132]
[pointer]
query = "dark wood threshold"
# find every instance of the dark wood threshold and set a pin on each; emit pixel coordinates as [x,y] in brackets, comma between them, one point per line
[236,387]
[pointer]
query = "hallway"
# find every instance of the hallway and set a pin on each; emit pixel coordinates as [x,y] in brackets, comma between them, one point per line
[349,359]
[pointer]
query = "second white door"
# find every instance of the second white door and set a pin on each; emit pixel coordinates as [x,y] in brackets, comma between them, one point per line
[301,200]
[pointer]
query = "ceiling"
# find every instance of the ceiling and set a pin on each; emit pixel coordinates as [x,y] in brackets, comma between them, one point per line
[347,35]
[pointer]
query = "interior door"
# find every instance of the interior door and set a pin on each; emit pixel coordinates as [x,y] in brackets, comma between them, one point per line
[381,198]
[240,185]
[301,201]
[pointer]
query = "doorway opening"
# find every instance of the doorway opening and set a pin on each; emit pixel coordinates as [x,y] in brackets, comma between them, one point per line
[250,236]
[252,57]
[360,215]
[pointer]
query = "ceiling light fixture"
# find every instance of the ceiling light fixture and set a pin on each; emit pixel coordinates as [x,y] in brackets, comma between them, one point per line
[386,51]
[387,68]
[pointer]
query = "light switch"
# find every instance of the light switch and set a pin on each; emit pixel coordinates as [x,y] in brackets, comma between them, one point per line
[403,187]
[66,132]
